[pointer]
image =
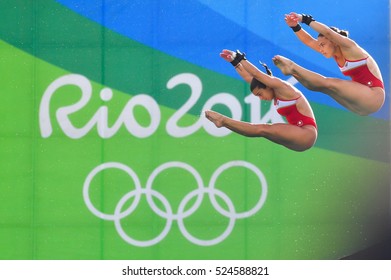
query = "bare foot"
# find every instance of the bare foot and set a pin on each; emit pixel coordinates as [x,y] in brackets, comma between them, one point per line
[285,64]
[214,117]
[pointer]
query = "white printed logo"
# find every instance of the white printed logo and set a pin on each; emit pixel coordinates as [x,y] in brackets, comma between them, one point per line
[168,213]
[127,118]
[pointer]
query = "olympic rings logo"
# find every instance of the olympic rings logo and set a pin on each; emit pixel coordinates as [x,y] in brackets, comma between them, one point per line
[168,213]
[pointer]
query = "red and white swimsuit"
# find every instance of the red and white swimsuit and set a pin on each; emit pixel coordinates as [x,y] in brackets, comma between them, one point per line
[288,109]
[359,72]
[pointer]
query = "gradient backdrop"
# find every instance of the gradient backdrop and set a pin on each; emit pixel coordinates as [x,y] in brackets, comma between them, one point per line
[105,153]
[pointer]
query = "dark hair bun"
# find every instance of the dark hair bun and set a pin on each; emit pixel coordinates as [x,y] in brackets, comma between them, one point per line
[340,31]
